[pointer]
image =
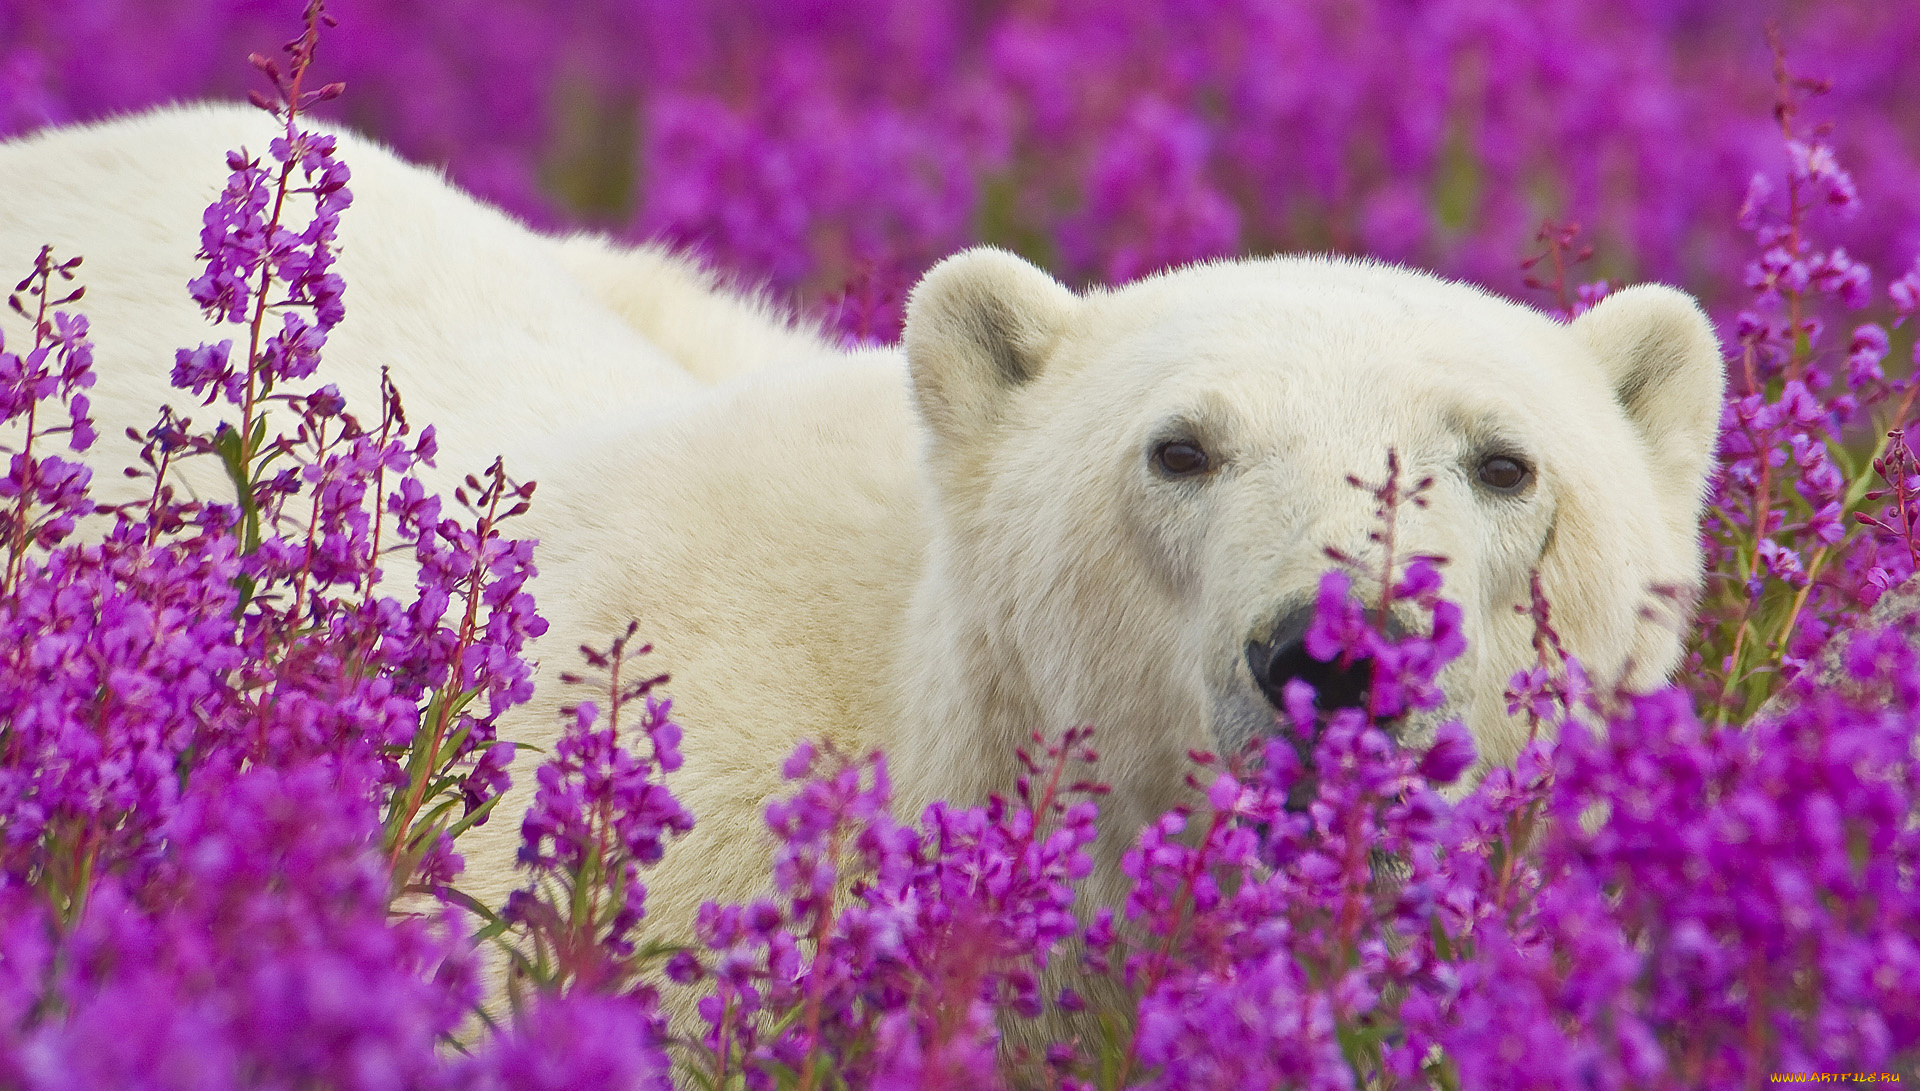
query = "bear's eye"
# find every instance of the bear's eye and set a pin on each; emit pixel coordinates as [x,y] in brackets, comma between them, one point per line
[1503,473]
[1181,458]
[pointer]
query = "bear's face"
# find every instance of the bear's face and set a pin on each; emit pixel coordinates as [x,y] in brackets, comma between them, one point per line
[1137,489]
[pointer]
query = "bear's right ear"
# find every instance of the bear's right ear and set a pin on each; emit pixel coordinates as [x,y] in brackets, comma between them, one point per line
[1660,355]
[979,325]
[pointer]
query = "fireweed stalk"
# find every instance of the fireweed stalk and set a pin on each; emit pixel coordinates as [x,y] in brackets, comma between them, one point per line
[1660,904]
[204,705]
[1793,550]
[597,818]
[582,1014]
[443,759]
[943,929]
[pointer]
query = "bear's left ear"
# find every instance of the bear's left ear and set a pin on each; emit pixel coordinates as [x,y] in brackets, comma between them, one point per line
[1663,361]
[979,325]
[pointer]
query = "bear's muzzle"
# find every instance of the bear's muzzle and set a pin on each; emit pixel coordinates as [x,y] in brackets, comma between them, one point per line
[1283,657]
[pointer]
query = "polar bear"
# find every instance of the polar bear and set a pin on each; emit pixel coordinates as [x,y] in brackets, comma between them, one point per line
[1112,507]
[1044,509]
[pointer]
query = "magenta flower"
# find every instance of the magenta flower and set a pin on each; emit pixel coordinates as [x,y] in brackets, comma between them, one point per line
[599,816]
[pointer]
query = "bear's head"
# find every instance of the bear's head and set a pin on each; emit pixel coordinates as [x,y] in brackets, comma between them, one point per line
[1134,493]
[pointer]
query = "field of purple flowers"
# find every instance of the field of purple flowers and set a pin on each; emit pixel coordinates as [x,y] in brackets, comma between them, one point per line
[235,765]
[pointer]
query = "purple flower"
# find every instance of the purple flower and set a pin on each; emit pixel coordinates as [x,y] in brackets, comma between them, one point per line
[948,925]
[1339,621]
[1905,294]
[267,955]
[1452,751]
[1816,164]
[577,1042]
[1864,353]
[598,817]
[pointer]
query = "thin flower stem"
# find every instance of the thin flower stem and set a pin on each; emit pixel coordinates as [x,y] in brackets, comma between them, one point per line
[1779,643]
[43,274]
[379,490]
[159,491]
[1390,503]
[823,928]
[724,1044]
[1158,964]
[321,447]
[416,791]
[256,387]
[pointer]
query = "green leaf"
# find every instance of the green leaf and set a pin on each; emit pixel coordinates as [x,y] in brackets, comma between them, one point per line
[1864,479]
[259,437]
[451,748]
[1442,944]
[462,899]
[1357,1047]
[426,827]
[226,442]
[491,930]
[659,947]
[478,816]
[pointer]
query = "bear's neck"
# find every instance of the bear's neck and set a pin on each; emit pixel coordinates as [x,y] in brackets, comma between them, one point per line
[962,705]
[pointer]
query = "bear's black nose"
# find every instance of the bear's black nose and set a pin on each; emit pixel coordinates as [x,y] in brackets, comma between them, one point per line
[1283,657]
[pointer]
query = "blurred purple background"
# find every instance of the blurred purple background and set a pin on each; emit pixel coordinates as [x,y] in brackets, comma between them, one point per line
[834,149]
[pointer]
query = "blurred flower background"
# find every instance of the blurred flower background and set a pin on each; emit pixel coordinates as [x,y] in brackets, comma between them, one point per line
[835,149]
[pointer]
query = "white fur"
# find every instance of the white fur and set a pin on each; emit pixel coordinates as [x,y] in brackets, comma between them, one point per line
[940,550]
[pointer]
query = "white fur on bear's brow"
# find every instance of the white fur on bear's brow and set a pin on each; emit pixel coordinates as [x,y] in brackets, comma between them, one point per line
[941,550]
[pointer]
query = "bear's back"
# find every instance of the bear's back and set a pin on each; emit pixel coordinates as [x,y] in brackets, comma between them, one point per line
[486,334]
[767,540]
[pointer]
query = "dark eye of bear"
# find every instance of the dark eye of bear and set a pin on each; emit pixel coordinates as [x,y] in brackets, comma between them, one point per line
[1181,458]
[1504,474]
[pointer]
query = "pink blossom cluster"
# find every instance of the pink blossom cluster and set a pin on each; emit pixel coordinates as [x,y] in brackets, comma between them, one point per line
[1799,536]
[227,754]
[946,934]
